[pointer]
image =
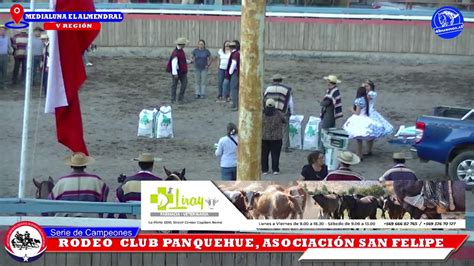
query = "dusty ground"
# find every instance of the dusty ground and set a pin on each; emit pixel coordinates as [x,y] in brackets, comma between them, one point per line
[118,88]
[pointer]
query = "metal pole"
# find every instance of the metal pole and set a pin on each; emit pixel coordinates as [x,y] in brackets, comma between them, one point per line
[26,109]
[252,36]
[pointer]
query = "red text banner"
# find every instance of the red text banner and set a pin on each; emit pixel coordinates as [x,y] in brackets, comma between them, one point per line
[72,26]
[255,242]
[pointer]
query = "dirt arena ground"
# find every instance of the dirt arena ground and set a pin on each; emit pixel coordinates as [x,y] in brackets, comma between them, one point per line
[118,88]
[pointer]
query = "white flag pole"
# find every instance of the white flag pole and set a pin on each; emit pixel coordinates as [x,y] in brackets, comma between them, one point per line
[26,109]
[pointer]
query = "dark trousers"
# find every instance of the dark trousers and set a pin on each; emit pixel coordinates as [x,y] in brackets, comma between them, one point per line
[37,68]
[183,78]
[234,90]
[3,69]
[16,69]
[272,147]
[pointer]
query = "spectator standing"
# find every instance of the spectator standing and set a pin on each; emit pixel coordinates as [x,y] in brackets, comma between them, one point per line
[19,44]
[178,67]
[232,74]
[331,105]
[227,151]
[315,170]
[224,55]
[272,134]
[283,96]
[5,50]
[202,60]
[45,67]
[38,47]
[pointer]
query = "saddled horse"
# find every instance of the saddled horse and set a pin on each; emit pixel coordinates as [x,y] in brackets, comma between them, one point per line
[175,175]
[359,208]
[329,204]
[43,188]
[404,188]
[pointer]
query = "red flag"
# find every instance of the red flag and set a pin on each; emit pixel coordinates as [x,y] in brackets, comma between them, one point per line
[68,75]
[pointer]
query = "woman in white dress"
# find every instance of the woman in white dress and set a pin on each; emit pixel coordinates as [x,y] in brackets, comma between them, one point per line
[224,55]
[360,126]
[388,128]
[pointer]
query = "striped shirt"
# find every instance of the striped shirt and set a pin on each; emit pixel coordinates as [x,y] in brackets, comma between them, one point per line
[398,172]
[80,187]
[130,190]
[282,96]
[343,174]
[335,97]
[19,44]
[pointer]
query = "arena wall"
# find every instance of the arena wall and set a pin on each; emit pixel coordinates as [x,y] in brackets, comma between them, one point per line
[289,34]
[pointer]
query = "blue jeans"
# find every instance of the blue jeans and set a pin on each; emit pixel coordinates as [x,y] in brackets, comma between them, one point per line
[220,82]
[229,173]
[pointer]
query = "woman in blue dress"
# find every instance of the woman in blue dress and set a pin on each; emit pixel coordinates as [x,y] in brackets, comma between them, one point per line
[360,125]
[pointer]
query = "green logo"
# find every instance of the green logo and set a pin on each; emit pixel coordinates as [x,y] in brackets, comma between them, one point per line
[166,121]
[169,200]
[311,132]
[293,131]
[144,120]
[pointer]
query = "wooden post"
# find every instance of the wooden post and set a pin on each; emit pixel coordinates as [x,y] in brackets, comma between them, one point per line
[250,91]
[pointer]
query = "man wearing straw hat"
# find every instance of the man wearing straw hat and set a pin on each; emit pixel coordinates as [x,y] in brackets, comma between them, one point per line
[130,190]
[282,95]
[5,50]
[80,185]
[399,171]
[178,67]
[344,173]
[331,105]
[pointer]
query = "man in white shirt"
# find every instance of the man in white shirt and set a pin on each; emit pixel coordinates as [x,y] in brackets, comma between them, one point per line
[178,67]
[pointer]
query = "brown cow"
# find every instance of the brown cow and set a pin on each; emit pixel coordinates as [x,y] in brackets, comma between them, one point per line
[274,204]
[394,209]
[239,199]
[301,196]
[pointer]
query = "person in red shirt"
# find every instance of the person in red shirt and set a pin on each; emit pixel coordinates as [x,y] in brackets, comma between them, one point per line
[178,67]
[344,173]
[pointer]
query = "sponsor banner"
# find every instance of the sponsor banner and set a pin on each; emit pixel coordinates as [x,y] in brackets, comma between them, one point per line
[400,247]
[280,207]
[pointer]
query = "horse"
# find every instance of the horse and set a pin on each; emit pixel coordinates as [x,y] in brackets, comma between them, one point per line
[404,188]
[359,208]
[43,188]
[394,209]
[329,204]
[175,175]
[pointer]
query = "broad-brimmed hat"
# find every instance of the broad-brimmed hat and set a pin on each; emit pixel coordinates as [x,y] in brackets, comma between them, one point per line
[78,159]
[270,102]
[181,41]
[348,157]
[44,35]
[332,79]
[232,44]
[2,26]
[24,30]
[277,77]
[146,158]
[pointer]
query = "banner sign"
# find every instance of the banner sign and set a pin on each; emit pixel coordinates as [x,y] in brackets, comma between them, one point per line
[280,207]
[330,246]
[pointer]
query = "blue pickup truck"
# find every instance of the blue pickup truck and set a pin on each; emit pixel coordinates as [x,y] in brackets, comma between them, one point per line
[447,137]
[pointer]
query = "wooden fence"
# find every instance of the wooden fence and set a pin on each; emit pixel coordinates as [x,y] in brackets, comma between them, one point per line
[298,34]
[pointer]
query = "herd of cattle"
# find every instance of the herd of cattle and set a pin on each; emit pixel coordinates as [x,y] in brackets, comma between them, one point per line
[277,202]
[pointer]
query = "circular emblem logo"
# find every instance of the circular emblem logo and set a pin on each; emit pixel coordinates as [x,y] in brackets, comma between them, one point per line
[25,241]
[447,22]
